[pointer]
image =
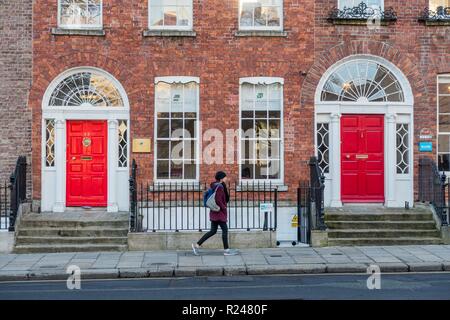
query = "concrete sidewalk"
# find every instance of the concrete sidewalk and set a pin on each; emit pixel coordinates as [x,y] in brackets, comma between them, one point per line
[109,265]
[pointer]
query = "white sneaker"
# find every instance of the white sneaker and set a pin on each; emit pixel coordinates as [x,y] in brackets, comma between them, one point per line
[195,250]
[230,252]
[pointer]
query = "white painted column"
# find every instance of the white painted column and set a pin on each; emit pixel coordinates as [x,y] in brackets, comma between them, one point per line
[112,165]
[391,159]
[60,163]
[335,161]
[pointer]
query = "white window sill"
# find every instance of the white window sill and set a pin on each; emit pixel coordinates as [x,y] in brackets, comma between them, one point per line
[176,186]
[261,33]
[243,186]
[169,33]
[78,32]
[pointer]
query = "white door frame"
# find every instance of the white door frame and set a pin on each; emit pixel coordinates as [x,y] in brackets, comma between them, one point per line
[399,188]
[53,179]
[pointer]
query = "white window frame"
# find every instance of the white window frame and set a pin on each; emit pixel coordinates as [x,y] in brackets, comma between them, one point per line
[80,26]
[262,81]
[340,7]
[442,78]
[176,80]
[260,28]
[434,8]
[174,28]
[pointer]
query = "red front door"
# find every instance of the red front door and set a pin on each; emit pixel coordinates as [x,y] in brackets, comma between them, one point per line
[86,164]
[362,158]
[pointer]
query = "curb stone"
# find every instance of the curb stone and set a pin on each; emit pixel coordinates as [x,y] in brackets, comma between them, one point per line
[133,273]
[210,271]
[162,272]
[13,275]
[100,274]
[234,271]
[425,266]
[346,268]
[446,266]
[48,275]
[392,267]
[185,272]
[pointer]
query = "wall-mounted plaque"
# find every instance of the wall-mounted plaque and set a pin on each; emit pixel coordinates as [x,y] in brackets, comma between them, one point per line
[141,145]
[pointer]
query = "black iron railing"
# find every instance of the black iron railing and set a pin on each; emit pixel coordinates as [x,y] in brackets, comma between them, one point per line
[310,203]
[12,194]
[178,206]
[362,12]
[434,188]
[5,208]
[440,14]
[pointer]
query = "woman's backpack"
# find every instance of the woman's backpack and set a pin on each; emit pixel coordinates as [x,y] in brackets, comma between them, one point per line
[209,199]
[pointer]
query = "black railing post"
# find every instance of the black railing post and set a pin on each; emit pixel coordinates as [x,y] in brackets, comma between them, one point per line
[444,202]
[133,196]
[18,189]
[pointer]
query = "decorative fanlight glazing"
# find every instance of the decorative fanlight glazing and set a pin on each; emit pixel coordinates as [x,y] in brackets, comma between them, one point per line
[86,89]
[362,81]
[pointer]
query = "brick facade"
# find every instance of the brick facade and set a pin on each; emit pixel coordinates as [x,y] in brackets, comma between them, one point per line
[15,83]
[220,58]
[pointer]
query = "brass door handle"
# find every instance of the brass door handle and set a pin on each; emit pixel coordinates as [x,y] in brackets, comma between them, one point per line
[74,158]
[347,156]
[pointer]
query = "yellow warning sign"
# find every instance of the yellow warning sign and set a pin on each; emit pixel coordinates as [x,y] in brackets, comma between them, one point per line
[294,221]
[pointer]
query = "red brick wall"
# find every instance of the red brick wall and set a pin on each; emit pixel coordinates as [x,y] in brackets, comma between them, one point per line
[215,55]
[15,82]
[220,59]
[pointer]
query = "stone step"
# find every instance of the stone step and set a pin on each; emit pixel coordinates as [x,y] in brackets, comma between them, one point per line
[360,233]
[73,232]
[390,225]
[25,240]
[41,248]
[40,223]
[383,241]
[379,217]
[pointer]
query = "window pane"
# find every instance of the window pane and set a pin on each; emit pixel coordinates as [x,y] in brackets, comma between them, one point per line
[444,123]
[163,149]
[176,170]
[184,16]
[247,91]
[247,128]
[444,143]
[260,17]
[261,97]
[190,170]
[274,127]
[163,128]
[246,14]
[248,149]
[273,16]
[247,114]
[189,127]
[261,128]
[262,149]
[156,16]
[162,169]
[189,151]
[273,169]
[275,97]
[274,149]
[162,92]
[444,104]
[190,97]
[176,98]
[170,16]
[444,162]
[261,170]
[247,170]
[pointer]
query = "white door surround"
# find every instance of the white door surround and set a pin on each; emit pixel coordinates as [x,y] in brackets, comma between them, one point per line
[53,178]
[399,187]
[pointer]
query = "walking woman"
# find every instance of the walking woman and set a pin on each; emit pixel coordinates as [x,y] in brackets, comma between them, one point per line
[218,218]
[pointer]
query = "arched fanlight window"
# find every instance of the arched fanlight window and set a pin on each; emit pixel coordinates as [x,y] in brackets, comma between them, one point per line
[362,80]
[86,89]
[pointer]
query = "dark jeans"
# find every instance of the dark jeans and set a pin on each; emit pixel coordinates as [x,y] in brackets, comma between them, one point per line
[213,231]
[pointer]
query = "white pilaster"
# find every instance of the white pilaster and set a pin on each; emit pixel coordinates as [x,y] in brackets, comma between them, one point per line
[391,159]
[335,161]
[112,165]
[60,163]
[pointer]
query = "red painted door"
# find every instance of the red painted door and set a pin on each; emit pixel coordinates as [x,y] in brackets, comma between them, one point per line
[362,158]
[86,183]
